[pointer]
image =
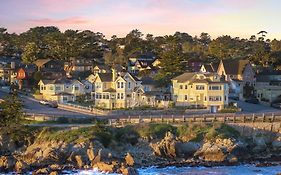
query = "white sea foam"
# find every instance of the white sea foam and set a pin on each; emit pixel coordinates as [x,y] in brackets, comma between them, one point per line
[221,170]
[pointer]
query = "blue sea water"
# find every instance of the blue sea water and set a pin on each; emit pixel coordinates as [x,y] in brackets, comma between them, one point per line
[221,170]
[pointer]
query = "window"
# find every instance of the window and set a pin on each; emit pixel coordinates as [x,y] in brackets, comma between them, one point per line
[122,96]
[185,97]
[98,85]
[122,85]
[200,87]
[205,98]
[87,87]
[58,88]
[118,84]
[213,88]
[185,86]
[118,95]
[42,87]
[51,88]
[97,96]
[76,88]
[215,98]
[180,86]
[129,85]
[64,98]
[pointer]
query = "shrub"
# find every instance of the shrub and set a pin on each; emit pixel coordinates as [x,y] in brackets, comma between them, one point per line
[100,133]
[221,131]
[127,134]
[155,130]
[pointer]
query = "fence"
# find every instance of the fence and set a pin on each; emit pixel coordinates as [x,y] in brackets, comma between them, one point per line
[82,109]
[207,118]
[40,117]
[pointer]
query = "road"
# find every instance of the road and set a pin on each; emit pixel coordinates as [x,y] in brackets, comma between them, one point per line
[255,108]
[33,106]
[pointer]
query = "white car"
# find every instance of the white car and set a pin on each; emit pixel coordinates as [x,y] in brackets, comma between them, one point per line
[44,102]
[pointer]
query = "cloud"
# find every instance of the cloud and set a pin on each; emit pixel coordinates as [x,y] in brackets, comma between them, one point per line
[66,21]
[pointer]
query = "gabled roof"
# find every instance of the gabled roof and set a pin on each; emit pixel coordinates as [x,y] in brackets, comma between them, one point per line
[104,67]
[234,67]
[184,77]
[41,62]
[200,81]
[105,77]
[60,81]
[134,77]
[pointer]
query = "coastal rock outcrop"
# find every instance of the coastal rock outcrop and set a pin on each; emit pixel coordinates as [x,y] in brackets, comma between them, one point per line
[221,150]
[166,147]
[171,147]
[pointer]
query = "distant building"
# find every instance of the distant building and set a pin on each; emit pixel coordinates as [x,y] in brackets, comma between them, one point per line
[268,85]
[236,70]
[200,89]
[25,76]
[50,69]
[143,62]
[193,65]
[209,68]
[78,65]
[8,67]
[101,69]
[63,90]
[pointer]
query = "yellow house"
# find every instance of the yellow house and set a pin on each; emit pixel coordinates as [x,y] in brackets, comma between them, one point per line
[112,90]
[200,89]
[62,90]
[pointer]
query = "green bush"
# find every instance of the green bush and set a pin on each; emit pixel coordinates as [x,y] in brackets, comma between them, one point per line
[229,110]
[127,134]
[155,130]
[98,132]
[222,131]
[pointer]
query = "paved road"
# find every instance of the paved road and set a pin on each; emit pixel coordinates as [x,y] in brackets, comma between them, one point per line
[255,108]
[33,106]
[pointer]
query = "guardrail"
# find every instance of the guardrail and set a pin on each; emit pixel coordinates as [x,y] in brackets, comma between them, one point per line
[82,109]
[207,118]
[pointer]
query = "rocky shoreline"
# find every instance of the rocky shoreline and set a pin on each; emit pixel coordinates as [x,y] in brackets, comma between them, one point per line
[54,156]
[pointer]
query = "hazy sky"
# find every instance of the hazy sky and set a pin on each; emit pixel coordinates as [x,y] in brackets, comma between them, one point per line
[241,18]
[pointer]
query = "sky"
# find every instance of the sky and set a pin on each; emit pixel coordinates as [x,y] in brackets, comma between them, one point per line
[238,18]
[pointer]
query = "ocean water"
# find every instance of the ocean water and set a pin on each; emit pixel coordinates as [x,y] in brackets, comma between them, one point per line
[221,170]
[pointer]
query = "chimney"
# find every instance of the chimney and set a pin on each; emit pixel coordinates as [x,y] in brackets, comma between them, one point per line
[114,74]
[13,65]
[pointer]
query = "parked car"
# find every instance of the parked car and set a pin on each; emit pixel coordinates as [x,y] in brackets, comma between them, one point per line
[234,98]
[44,102]
[276,105]
[252,100]
[53,104]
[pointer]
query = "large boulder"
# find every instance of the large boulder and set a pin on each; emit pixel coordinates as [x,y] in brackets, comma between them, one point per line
[166,147]
[105,167]
[220,150]
[21,167]
[129,160]
[7,163]
[187,149]
[128,171]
